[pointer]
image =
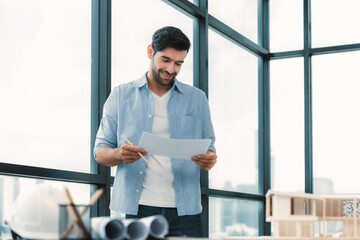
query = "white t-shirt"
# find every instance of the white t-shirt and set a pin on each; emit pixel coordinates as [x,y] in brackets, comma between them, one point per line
[158,185]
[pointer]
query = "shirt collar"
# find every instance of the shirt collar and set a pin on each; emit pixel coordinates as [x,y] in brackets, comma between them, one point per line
[143,82]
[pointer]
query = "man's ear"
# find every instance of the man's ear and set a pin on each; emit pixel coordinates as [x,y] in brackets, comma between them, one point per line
[150,51]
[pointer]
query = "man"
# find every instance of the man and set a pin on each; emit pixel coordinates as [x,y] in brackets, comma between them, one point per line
[157,103]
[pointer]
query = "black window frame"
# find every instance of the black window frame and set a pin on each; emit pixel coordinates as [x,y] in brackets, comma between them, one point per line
[100,176]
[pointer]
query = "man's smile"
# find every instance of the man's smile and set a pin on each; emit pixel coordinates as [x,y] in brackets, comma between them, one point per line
[166,75]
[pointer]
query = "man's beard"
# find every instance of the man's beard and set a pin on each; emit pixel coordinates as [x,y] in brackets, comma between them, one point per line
[159,80]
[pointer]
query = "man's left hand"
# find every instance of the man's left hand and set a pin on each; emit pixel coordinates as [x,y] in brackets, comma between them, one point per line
[205,161]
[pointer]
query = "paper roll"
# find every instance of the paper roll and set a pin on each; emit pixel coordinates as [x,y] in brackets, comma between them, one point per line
[157,225]
[136,229]
[107,228]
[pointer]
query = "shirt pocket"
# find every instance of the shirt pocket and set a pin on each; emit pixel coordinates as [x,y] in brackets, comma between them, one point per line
[190,127]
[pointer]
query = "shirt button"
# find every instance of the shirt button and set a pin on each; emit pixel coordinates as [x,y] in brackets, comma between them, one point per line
[140,172]
[137,190]
[149,115]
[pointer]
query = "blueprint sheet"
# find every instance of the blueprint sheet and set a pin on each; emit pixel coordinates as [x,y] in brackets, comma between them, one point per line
[176,148]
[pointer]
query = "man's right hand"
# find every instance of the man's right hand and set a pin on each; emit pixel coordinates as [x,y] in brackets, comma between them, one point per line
[130,153]
[111,157]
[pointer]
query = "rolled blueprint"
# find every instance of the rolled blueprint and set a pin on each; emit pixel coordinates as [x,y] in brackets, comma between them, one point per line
[157,225]
[107,228]
[135,229]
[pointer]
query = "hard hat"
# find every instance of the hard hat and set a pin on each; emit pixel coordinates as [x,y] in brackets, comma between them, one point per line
[35,212]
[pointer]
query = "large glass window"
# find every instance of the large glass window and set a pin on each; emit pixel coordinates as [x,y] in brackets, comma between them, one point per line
[241,15]
[233,100]
[233,217]
[287,124]
[336,118]
[286,25]
[45,83]
[335,22]
[45,68]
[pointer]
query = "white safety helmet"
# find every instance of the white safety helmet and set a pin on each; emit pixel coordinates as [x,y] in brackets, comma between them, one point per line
[35,212]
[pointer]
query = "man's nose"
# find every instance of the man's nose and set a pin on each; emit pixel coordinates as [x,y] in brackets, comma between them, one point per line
[171,68]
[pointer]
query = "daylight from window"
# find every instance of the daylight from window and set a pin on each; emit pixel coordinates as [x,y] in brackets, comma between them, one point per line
[45,81]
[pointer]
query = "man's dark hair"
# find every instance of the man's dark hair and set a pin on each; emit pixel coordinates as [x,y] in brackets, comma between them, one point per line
[170,37]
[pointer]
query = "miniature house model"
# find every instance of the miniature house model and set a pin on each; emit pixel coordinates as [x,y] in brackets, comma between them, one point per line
[302,215]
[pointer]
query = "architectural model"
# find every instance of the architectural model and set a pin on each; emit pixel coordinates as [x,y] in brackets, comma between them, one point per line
[304,216]
[311,216]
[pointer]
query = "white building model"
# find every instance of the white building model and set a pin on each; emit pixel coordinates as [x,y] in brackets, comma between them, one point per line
[302,215]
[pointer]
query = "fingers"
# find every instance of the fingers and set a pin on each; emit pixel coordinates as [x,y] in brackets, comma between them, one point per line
[133,148]
[205,161]
[206,165]
[130,152]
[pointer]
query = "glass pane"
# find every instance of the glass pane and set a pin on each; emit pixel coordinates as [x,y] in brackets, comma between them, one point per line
[286,25]
[131,35]
[336,118]
[241,15]
[45,83]
[335,22]
[233,88]
[287,124]
[10,187]
[232,217]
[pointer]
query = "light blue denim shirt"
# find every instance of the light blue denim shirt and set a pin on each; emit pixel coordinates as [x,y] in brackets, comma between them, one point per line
[129,111]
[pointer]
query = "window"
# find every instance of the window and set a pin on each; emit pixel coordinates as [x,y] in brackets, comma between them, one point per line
[336,123]
[241,15]
[301,116]
[45,83]
[286,25]
[233,217]
[335,22]
[234,110]
[287,124]
[329,133]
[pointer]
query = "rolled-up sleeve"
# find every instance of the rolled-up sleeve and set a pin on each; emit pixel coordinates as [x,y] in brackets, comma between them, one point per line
[106,135]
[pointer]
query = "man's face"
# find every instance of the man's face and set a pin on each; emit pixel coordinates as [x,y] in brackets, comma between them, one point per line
[166,65]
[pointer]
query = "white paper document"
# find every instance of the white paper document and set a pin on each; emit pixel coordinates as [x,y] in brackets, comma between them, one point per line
[169,147]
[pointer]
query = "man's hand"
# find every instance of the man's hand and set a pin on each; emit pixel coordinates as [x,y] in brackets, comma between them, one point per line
[130,153]
[205,161]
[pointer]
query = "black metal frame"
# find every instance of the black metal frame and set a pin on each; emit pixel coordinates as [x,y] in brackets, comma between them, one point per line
[100,90]
[264,112]
[100,176]
[308,99]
